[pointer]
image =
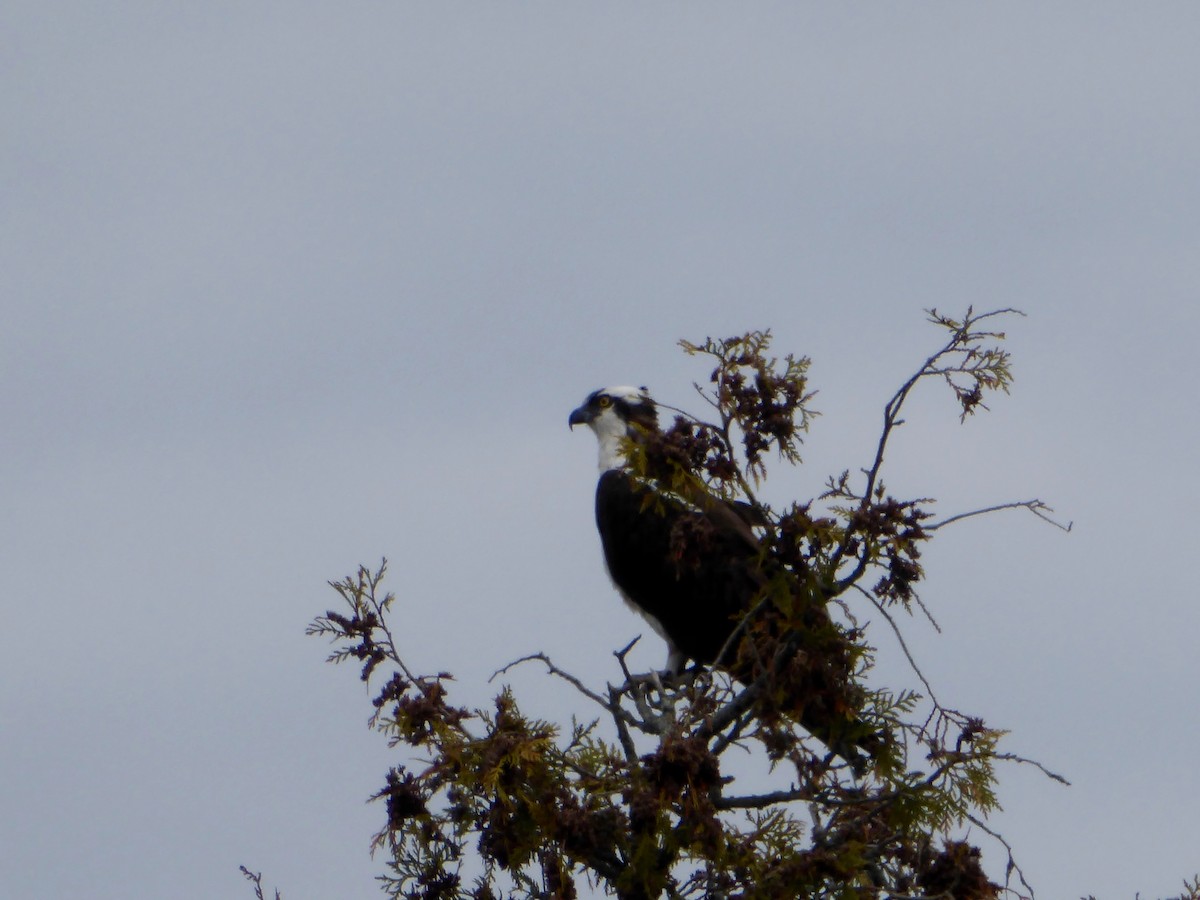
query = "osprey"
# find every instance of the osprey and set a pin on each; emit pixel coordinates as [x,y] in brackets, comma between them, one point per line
[693,607]
[695,597]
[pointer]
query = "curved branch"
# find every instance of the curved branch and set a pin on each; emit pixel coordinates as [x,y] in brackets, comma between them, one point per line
[614,709]
[961,337]
[1037,507]
[1012,757]
[903,646]
[1012,862]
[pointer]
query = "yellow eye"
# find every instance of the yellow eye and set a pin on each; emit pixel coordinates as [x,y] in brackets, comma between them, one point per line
[604,402]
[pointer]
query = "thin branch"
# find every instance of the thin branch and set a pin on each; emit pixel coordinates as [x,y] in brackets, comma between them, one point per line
[1037,507]
[1011,866]
[734,734]
[623,735]
[903,646]
[256,879]
[556,671]
[731,711]
[622,653]
[1012,757]
[380,609]
[759,801]
[916,598]
[961,336]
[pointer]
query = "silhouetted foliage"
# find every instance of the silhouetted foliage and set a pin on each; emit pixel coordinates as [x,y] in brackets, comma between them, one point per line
[639,801]
[255,878]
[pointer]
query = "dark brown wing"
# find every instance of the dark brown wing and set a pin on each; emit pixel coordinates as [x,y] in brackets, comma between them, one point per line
[695,572]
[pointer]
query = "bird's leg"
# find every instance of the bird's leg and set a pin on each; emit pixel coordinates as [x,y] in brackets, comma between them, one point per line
[671,671]
[669,675]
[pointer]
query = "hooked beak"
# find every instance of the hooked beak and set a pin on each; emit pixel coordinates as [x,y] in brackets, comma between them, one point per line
[581,416]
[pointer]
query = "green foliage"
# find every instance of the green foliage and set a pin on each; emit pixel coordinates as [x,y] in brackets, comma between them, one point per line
[871,786]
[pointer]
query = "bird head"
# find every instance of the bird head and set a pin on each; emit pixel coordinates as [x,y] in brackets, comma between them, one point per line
[613,414]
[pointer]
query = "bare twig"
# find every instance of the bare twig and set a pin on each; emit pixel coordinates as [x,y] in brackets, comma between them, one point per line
[559,673]
[903,646]
[623,735]
[733,735]
[1011,865]
[1012,757]
[256,879]
[1037,507]
[622,653]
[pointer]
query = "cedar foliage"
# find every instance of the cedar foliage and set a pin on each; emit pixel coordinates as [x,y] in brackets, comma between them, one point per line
[634,799]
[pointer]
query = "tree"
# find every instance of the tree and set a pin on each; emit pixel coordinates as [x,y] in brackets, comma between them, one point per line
[633,796]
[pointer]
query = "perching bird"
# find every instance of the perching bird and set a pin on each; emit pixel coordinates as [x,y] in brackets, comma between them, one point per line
[694,598]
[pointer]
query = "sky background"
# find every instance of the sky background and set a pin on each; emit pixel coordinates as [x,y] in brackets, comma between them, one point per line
[292,286]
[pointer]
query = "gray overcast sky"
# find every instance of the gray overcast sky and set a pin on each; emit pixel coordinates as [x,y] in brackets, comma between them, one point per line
[291,286]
